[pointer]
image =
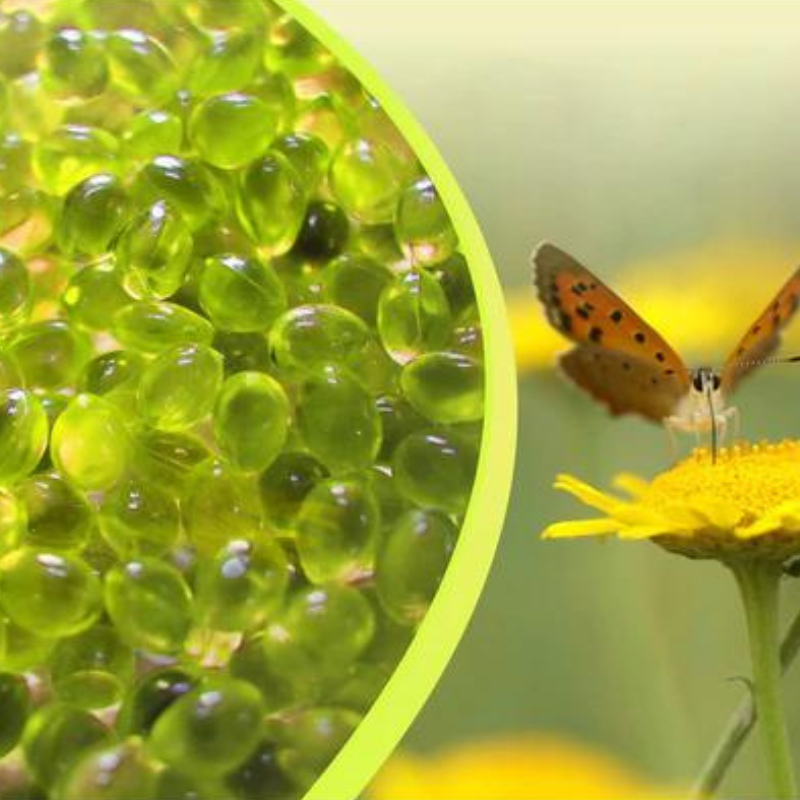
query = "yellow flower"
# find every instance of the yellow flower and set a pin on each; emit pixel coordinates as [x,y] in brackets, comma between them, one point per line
[700,299]
[522,767]
[745,504]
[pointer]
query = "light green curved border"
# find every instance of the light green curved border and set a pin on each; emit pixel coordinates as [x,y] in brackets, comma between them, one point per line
[431,649]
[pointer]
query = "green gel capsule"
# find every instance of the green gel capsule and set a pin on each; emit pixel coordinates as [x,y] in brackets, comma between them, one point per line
[15,163]
[174,785]
[468,341]
[186,184]
[337,529]
[284,485]
[151,133]
[21,650]
[23,434]
[444,387]
[308,338]
[49,594]
[307,154]
[240,294]
[391,503]
[150,605]
[115,771]
[167,458]
[271,203]
[31,110]
[233,16]
[93,214]
[93,296]
[56,736]
[413,316]
[71,154]
[230,60]
[324,233]
[58,516]
[292,50]
[114,376]
[89,444]
[92,669]
[398,419]
[242,586]
[75,63]
[220,504]
[13,520]
[250,662]
[16,292]
[411,563]
[15,706]
[153,252]
[230,130]
[251,420]
[243,352]
[453,276]
[355,282]
[338,421]
[365,180]
[139,518]
[150,696]
[423,226]
[21,35]
[435,469]
[26,224]
[152,327]
[260,776]
[180,387]
[212,729]
[49,354]
[140,66]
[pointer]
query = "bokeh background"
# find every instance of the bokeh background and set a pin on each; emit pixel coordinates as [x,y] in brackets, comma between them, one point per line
[659,143]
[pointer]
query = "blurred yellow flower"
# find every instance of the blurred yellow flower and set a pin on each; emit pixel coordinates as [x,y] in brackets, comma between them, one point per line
[748,502]
[514,768]
[700,299]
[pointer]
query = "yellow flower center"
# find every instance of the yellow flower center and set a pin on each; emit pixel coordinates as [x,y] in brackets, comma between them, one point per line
[751,477]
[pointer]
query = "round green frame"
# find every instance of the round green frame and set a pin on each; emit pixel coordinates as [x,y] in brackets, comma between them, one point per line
[435,641]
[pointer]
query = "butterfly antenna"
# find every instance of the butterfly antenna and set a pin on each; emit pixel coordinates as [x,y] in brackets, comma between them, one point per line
[762,361]
[713,417]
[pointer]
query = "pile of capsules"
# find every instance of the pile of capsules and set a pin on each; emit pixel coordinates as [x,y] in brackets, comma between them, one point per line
[241,392]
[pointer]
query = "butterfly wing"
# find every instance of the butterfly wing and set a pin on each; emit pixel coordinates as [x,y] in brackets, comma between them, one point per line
[763,336]
[609,335]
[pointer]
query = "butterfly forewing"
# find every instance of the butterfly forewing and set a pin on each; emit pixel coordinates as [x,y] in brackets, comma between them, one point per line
[763,336]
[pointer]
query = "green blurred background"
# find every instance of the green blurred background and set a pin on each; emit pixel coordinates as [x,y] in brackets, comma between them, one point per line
[623,132]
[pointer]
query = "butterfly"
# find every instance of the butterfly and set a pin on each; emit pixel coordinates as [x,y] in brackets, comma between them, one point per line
[627,365]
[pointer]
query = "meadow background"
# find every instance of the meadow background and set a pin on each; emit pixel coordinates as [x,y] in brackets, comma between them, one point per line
[658,142]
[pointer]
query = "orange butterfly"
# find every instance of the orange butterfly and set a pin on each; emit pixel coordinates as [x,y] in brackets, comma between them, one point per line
[620,360]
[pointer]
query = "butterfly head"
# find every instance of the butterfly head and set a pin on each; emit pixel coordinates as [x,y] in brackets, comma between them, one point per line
[705,381]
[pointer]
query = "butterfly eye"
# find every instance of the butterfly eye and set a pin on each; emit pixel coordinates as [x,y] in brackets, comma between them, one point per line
[697,381]
[716,382]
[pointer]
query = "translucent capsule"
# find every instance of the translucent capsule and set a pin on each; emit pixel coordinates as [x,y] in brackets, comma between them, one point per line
[212,729]
[355,282]
[444,387]
[453,276]
[153,327]
[260,776]
[365,180]
[284,485]
[13,520]
[292,50]
[229,61]
[271,202]
[89,444]
[337,529]
[16,297]
[75,63]
[21,35]
[115,771]
[23,434]
[250,662]
[240,294]
[435,469]
[56,736]
[26,225]
[153,252]
[92,669]
[149,604]
[180,386]
[413,316]
[151,133]
[230,130]
[22,650]
[174,785]
[391,503]
[220,504]
[140,65]
[251,420]
[93,295]
[49,354]
[308,338]
[186,184]
[113,376]
[167,458]
[307,154]
[93,213]
[243,352]
[338,421]
[423,225]
[15,162]
[139,518]
[398,420]
[412,561]
[49,594]
[324,232]
[58,516]
[150,696]
[71,154]
[242,586]
[15,706]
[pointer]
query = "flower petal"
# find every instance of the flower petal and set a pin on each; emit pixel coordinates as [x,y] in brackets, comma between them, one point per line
[631,484]
[588,494]
[580,527]
[785,517]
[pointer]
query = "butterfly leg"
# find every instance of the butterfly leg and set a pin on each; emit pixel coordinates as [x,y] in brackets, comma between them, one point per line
[670,427]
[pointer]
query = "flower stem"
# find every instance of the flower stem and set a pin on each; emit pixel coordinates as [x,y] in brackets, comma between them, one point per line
[740,724]
[759,583]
